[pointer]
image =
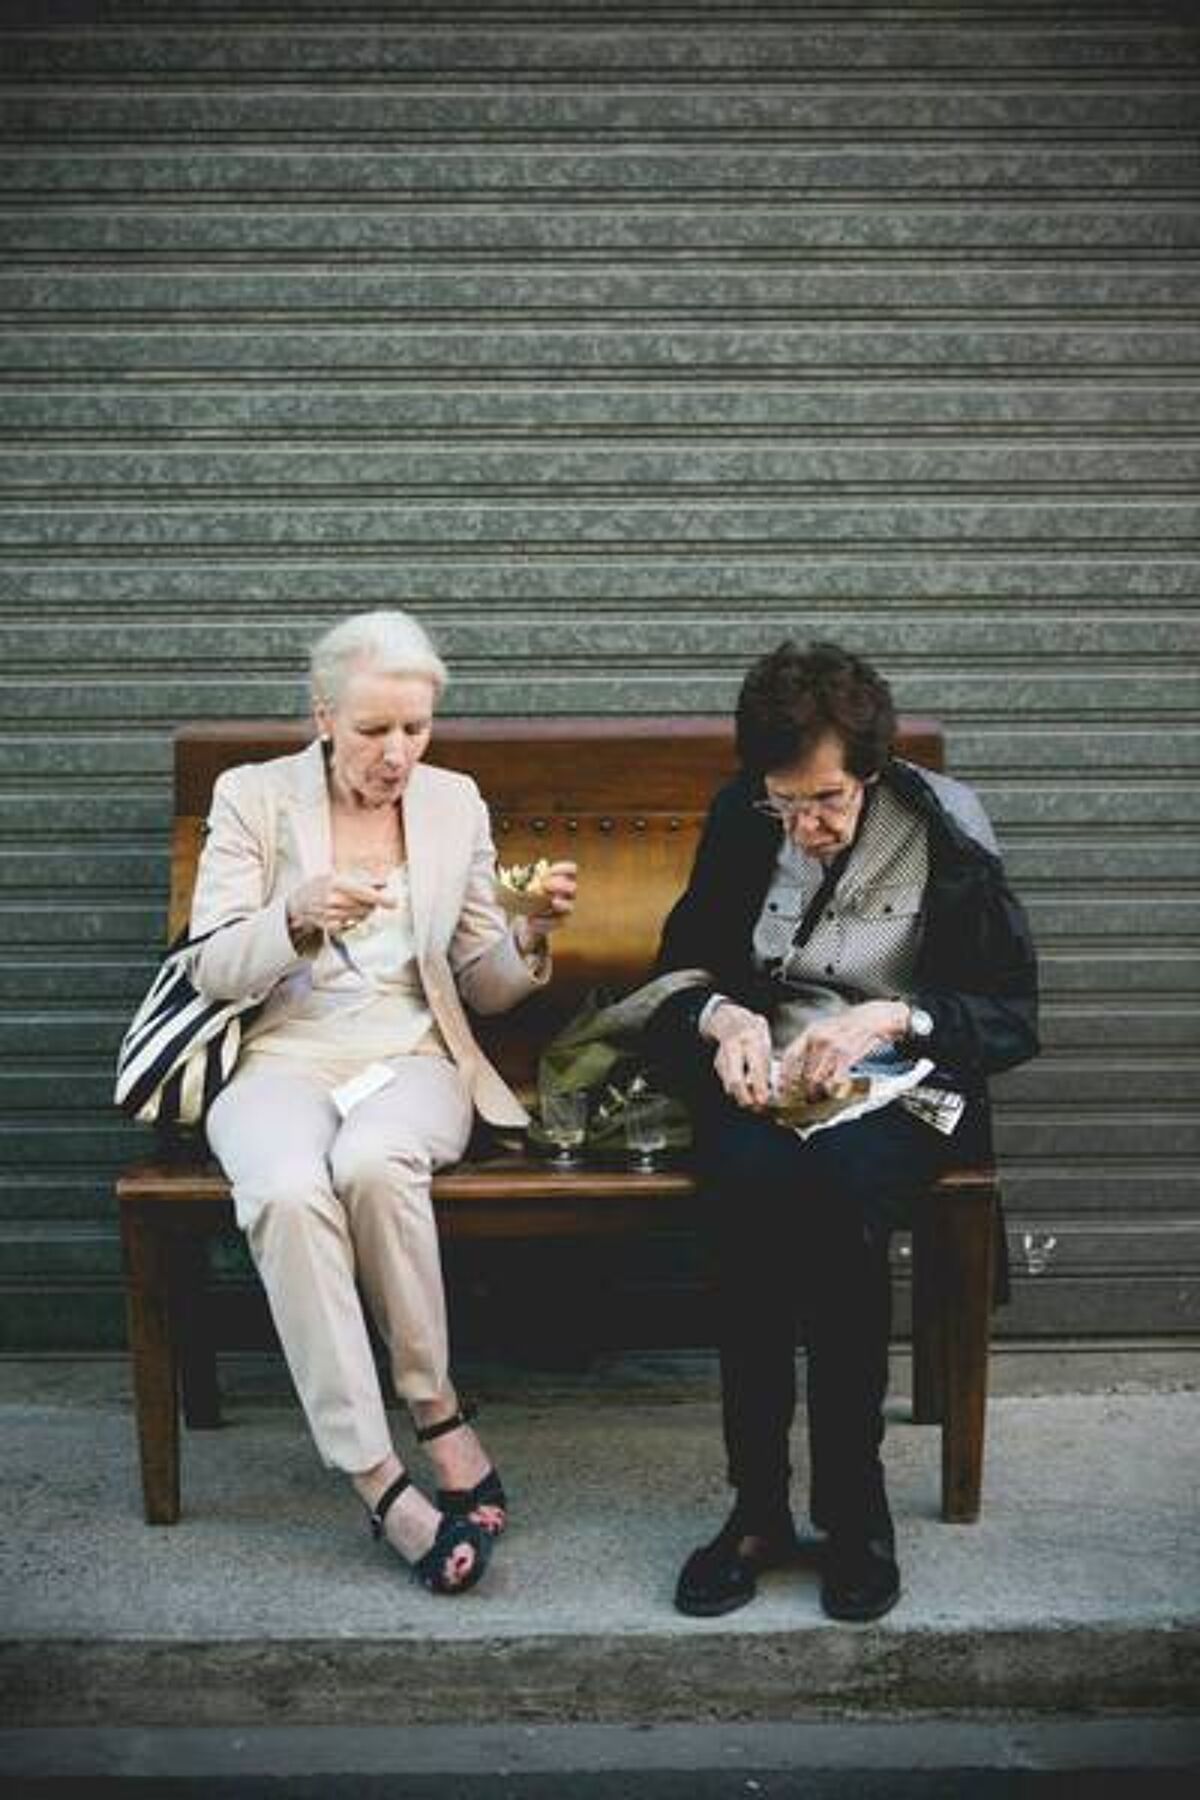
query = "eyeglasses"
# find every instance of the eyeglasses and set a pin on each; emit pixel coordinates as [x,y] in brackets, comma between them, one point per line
[829,806]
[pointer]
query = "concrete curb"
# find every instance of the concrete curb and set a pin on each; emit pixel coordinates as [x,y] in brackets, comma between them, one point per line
[714,1676]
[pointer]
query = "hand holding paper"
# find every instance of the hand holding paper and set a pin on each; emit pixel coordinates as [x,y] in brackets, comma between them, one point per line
[817,1065]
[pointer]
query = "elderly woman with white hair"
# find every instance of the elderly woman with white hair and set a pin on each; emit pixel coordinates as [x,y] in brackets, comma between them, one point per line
[349,889]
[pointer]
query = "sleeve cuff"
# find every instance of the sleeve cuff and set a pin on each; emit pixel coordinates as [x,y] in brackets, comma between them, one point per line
[708,1009]
[537,961]
[290,953]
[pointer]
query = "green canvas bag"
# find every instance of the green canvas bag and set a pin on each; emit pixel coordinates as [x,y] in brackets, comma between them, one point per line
[599,1051]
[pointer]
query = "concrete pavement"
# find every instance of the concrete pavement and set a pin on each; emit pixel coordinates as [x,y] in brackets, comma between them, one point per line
[267,1604]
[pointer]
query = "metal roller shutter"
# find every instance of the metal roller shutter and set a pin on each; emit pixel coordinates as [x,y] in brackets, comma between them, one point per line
[617,342]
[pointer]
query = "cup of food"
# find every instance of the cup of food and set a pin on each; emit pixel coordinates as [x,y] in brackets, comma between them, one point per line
[520,889]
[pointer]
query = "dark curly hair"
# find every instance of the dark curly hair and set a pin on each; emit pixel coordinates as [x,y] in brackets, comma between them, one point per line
[793,697]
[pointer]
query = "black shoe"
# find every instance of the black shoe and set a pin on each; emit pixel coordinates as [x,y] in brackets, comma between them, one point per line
[721,1576]
[860,1579]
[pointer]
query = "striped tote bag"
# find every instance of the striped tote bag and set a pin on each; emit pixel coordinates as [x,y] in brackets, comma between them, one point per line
[180,1048]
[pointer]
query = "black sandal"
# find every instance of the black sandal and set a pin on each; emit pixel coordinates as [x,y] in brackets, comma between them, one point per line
[430,1570]
[463,1503]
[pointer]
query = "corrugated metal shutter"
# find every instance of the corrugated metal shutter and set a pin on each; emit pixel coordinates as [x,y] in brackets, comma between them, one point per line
[616,341]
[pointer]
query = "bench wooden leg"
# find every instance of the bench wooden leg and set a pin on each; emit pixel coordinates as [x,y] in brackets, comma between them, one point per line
[965,1259]
[153,1353]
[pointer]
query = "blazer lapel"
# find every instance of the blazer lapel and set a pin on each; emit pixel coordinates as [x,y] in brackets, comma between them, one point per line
[421,847]
[307,806]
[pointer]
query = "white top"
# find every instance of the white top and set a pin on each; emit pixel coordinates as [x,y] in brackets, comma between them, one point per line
[364,998]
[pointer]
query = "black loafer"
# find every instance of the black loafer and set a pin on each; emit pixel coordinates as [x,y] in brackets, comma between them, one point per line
[720,1577]
[860,1579]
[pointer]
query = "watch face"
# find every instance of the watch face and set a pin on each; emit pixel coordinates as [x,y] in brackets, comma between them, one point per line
[920,1025]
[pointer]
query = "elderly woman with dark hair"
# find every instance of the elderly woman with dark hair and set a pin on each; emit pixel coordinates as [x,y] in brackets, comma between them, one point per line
[349,890]
[841,901]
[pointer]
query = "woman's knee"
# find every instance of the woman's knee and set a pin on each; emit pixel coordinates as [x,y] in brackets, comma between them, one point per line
[368,1170]
[290,1197]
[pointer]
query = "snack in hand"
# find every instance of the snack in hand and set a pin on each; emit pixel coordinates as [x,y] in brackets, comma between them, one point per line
[520,888]
[790,1106]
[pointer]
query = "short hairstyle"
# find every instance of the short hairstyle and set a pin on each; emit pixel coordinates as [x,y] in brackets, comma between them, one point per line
[793,697]
[387,642]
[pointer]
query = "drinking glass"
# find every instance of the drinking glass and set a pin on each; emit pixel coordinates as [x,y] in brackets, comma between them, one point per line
[646,1128]
[564,1122]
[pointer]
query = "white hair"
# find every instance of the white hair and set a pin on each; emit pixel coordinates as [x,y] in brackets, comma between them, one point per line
[385,642]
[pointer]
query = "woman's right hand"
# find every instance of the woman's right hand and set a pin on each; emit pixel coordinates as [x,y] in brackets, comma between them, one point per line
[743,1059]
[333,903]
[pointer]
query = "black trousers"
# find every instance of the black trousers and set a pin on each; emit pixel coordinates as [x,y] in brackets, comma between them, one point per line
[799,1233]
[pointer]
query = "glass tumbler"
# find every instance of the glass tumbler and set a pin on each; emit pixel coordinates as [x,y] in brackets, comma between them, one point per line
[564,1122]
[646,1128]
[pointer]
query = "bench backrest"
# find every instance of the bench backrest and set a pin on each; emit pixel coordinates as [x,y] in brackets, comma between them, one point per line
[624,797]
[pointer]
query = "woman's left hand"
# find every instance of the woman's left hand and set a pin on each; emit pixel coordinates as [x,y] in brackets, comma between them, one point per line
[818,1062]
[559,885]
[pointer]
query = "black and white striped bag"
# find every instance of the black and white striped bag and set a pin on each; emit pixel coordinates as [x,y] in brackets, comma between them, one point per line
[180,1048]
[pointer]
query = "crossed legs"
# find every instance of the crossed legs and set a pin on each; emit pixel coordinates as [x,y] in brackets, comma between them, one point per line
[330,1206]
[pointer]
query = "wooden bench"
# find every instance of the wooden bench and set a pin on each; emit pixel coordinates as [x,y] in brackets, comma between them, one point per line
[626,798]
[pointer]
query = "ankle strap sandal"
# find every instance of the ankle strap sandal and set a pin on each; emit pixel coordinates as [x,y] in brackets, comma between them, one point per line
[488,1491]
[425,1434]
[430,1570]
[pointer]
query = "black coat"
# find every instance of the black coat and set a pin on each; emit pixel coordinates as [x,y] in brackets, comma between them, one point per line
[976,971]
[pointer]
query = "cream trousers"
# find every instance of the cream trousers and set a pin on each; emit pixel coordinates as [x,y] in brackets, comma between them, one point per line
[331,1205]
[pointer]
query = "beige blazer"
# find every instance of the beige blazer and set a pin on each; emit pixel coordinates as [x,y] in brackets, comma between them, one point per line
[269,829]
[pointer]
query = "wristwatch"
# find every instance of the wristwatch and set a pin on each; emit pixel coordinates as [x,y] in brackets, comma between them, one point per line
[920,1026]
